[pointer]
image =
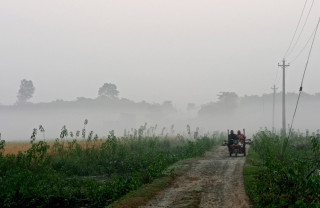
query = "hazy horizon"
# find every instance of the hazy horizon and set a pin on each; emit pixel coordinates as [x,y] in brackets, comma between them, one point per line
[106,114]
[183,51]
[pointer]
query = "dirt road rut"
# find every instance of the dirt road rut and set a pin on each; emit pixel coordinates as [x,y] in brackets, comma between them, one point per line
[215,180]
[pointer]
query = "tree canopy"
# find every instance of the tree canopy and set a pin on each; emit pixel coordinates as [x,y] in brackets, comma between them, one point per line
[26,91]
[109,90]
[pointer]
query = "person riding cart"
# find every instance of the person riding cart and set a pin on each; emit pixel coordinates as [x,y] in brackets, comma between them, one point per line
[236,143]
[241,137]
[232,139]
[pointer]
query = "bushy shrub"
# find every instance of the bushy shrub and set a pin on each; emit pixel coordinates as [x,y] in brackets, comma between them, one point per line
[291,177]
[67,174]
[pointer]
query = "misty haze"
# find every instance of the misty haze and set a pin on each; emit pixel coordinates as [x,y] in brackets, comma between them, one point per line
[103,97]
[162,56]
[108,112]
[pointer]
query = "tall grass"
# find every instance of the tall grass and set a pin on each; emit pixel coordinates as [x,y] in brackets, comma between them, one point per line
[66,173]
[290,176]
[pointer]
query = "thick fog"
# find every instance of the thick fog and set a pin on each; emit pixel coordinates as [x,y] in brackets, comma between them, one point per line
[170,61]
[126,117]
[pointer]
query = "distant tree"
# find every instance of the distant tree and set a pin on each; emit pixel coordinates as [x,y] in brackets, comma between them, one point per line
[168,107]
[226,104]
[26,91]
[109,90]
[228,100]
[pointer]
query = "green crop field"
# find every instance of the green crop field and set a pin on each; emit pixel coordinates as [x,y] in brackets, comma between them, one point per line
[282,172]
[91,173]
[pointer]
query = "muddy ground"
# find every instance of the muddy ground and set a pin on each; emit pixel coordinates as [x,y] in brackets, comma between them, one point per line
[216,180]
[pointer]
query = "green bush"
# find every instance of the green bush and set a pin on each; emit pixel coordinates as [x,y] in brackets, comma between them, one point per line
[66,174]
[290,177]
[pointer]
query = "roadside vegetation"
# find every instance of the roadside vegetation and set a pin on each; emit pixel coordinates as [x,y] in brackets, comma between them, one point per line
[282,172]
[92,173]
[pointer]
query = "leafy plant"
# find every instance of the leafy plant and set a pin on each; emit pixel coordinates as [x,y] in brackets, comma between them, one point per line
[289,164]
[59,175]
[2,144]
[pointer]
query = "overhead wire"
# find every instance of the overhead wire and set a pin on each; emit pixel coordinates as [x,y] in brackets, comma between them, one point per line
[304,73]
[276,81]
[301,32]
[295,32]
[304,47]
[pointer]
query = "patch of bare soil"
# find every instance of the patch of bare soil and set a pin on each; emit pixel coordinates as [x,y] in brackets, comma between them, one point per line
[215,180]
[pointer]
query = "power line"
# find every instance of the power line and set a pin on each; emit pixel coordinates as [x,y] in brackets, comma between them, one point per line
[305,22]
[295,32]
[304,47]
[304,73]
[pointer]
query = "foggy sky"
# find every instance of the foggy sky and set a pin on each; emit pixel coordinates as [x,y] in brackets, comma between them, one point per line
[153,50]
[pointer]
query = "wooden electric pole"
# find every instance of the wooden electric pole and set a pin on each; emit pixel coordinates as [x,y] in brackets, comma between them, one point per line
[284,65]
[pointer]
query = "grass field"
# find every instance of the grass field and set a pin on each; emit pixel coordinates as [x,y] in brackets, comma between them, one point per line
[284,172]
[89,173]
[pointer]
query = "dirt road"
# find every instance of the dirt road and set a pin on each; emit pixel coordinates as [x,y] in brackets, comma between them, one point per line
[215,180]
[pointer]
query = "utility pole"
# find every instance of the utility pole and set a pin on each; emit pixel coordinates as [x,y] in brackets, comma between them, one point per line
[274,88]
[284,65]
